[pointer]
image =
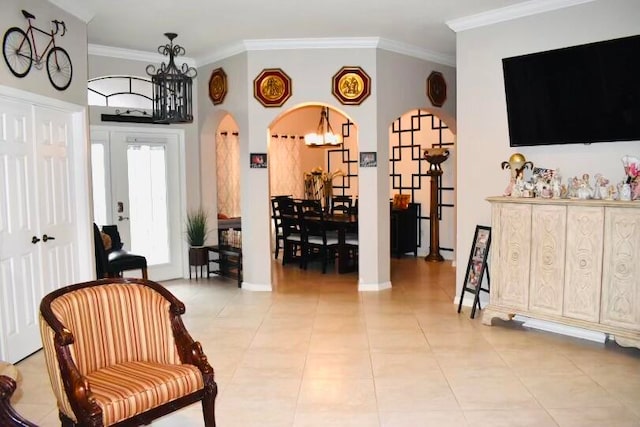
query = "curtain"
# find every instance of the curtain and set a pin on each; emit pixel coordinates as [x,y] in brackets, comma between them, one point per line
[228,173]
[285,171]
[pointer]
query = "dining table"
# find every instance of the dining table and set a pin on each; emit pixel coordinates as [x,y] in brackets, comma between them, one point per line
[342,223]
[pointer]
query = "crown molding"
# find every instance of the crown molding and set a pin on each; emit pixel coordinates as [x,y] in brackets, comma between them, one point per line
[313,43]
[520,10]
[326,43]
[81,9]
[220,54]
[134,55]
[416,52]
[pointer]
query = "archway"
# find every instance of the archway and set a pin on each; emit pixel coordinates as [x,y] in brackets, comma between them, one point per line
[291,161]
[409,135]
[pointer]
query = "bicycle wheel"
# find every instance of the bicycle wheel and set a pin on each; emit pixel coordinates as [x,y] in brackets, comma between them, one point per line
[16,49]
[59,68]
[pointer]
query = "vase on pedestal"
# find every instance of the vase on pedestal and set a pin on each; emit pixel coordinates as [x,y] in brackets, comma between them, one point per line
[435,156]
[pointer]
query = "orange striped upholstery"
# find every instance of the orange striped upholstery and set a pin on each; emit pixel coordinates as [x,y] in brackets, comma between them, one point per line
[128,389]
[117,323]
[124,345]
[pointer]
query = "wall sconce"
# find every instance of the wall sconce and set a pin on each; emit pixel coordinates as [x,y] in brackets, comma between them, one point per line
[172,86]
[324,135]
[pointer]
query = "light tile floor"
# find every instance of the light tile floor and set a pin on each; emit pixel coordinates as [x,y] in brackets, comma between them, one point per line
[317,352]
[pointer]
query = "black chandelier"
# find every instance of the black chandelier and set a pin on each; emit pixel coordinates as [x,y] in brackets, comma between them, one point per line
[172,93]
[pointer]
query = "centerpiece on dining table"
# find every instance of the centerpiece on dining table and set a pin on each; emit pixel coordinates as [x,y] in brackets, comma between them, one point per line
[318,185]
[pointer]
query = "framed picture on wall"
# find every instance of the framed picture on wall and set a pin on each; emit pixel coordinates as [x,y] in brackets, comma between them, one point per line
[368,159]
[258,160]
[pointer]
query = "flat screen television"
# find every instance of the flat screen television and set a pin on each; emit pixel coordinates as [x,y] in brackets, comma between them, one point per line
[580,94]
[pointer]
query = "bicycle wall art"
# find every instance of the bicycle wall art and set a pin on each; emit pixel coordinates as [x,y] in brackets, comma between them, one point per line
[21,51]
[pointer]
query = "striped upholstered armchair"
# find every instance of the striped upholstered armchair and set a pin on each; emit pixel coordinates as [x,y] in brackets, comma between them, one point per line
[118,353]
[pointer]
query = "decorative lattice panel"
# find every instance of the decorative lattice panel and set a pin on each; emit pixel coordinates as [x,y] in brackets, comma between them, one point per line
[409,135]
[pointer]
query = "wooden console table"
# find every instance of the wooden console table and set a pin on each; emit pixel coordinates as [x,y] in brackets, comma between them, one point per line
[228,262]
[574,262]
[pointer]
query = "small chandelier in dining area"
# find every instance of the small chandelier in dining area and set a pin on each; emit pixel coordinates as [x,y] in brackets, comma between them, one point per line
[172,86]
[324,135]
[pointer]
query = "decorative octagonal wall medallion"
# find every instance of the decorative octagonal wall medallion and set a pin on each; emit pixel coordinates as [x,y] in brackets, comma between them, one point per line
[218,86]
[272,87]
[436,88]
[351,85]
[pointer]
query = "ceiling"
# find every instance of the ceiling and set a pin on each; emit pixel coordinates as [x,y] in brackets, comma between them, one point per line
[206,26]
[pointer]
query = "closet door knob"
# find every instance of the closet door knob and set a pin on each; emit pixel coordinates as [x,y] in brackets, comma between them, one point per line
[34,240]
[45,238]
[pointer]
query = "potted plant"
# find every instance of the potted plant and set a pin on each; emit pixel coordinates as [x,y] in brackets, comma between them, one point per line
[197,227]
[197,230]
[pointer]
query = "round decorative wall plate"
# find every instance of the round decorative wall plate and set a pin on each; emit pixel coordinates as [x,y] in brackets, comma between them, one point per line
[217,86]
[351,85]
[436,88]
[272,87]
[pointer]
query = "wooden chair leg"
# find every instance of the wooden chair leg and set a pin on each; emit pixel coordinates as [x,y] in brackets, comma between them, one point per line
[208,405]
[277,247]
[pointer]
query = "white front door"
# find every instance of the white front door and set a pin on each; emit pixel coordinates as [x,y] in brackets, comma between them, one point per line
[36,189]
[145,203]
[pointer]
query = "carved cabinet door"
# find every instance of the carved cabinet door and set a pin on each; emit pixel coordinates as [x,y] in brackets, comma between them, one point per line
[511,225]
[548,230]
[583,267]
[621,269]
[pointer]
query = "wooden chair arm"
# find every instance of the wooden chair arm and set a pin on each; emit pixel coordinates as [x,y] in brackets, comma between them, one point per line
[8,415]
[76,385]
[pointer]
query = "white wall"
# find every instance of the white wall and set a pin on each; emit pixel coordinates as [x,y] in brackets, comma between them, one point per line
[483,140]
[74,42]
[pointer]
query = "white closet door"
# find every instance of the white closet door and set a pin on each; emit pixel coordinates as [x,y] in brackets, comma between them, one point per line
[55,191]
[36,194]
[20,290]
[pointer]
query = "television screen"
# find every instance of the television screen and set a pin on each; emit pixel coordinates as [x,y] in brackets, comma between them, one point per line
[580,94]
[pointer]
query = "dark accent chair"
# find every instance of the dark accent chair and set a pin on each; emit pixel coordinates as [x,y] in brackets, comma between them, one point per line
[118,353]
[111,263]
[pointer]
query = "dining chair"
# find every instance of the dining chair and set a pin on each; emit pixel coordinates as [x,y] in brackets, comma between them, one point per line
[341,204]
[317,238]
[276,216]
[291,231]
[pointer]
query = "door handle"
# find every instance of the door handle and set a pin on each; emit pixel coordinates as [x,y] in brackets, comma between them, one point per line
[34,240]
[45,238]
[122,218]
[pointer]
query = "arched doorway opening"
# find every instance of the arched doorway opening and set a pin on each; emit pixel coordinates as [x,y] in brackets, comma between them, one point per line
[409,135]
[292,163]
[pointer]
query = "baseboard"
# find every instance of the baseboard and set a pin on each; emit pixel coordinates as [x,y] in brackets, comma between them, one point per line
[372,287]
[257,287]
[557,328]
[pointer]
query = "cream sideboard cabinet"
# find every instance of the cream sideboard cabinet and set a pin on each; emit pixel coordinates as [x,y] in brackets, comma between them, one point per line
[574,262]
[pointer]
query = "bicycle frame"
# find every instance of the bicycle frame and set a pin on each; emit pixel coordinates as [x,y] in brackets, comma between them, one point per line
[52,42]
